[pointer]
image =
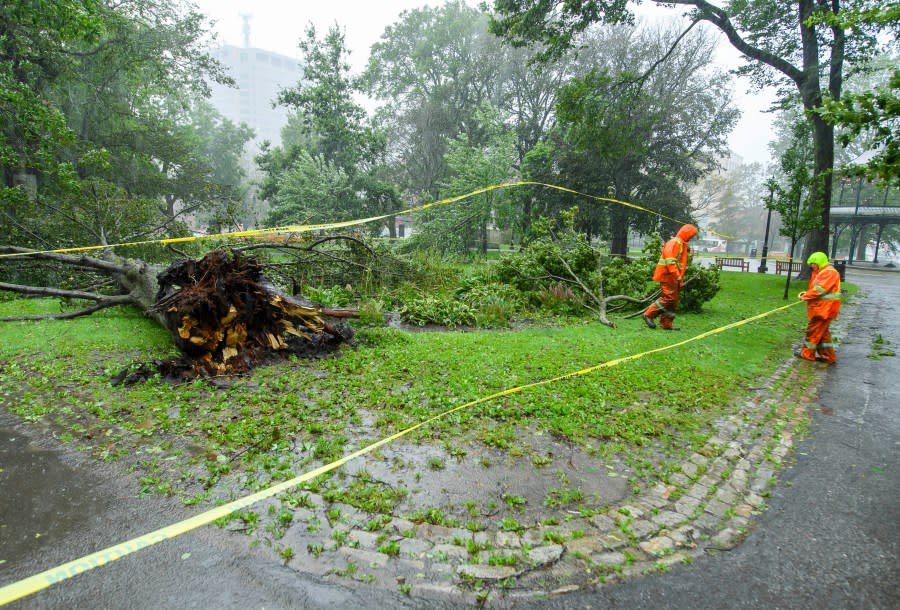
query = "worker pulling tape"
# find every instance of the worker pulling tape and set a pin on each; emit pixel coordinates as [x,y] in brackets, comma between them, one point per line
[43,580]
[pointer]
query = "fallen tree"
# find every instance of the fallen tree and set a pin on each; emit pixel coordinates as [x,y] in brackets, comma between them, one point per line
[222,312]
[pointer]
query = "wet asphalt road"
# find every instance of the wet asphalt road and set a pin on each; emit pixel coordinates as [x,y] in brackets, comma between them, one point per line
[830,538]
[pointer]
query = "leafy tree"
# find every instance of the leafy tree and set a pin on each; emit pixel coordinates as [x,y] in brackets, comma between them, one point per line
[115,79]
[34,51]
[471,167]
[312,190]
[799,211]
[435,69]
[644,133]
[328,131]
[876,113]
[801,47]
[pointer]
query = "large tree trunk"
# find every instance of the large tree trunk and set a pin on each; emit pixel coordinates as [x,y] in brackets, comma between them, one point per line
[222,312]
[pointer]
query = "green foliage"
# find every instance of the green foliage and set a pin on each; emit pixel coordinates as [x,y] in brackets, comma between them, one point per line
[796,200]
[336,296]
[540,270]
[443,310]
[472,165]
[877,114]
[494,304]
[551,250]
[702,284]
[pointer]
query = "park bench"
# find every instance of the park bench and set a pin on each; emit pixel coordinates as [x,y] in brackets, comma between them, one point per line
[782,267]
[732,261]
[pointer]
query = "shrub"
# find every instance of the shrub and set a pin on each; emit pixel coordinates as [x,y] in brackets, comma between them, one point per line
[702,285]
[494,304]
[437,310]
[335,296]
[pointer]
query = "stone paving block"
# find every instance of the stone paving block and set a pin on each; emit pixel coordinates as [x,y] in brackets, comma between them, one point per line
[726,495]
[543,555]
[437,533]
[399,526]
[663,490]
[653,501]
[586,545]
[755,500]
[657,545]
[698,459]
[743,510]
[761,482]
[680,479]
[486,572]
[687,505]
[508,539]
[689,469]
[414,547]
[409,566]
[608,559]
[602,523]
[363,558]
[615,540]
[727,538]
[629,510]
[698,491]
[707,522]
[668,518]
[367,540]
[672,559]
[717,508]
[451,551]
[643,528]
[684,536]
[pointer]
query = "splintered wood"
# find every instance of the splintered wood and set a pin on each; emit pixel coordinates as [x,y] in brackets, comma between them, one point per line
[226,317]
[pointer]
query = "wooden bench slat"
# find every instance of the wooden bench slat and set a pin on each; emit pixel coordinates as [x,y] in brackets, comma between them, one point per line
[733,261]
[782,267]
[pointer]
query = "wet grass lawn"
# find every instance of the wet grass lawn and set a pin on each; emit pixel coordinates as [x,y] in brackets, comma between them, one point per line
[570,445]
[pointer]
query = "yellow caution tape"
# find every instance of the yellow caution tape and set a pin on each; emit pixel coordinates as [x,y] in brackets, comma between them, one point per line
[43,580]
[332,225]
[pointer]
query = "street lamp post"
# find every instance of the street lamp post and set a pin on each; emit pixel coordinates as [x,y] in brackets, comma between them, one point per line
[765,249]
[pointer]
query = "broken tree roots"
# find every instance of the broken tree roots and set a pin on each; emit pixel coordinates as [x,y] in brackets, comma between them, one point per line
[226,317]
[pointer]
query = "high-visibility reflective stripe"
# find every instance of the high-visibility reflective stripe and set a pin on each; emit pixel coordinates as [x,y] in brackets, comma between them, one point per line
[831,296]
[826,345]
[811,345]
[662,308]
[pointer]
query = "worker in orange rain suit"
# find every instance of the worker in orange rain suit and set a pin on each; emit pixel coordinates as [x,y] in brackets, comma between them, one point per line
[823,302]
[670,275]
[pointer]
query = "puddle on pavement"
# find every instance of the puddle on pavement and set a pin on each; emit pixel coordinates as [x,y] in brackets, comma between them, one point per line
[489,477]
[41,498]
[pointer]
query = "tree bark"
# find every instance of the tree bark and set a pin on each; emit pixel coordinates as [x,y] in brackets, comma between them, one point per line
[221,311]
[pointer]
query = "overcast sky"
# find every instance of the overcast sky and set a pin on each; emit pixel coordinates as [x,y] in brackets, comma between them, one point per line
[278,25]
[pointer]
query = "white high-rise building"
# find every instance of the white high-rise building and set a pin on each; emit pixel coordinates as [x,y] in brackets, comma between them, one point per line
[259,75]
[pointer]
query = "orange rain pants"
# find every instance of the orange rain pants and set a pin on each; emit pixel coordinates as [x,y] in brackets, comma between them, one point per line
[818,341]
[667,303]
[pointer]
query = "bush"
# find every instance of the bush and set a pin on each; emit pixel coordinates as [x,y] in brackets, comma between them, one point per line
[701,286]
[494,304]
[438,310]
[335,296]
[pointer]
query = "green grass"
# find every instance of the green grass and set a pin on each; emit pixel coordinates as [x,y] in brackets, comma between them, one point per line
[295,414]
